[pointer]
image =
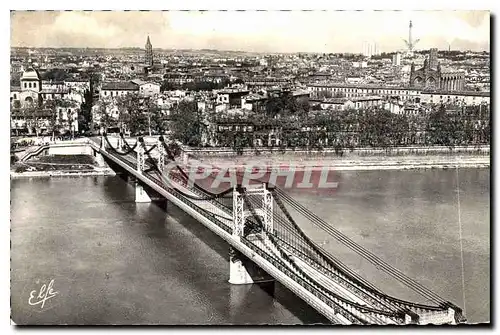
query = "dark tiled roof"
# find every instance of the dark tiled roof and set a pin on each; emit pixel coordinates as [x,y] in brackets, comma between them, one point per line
[54,90]
[120,86]
[467,93]
[368,86]
[334,101]
[362,86]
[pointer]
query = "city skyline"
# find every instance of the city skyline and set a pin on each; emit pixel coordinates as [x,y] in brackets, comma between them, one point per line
[252,31]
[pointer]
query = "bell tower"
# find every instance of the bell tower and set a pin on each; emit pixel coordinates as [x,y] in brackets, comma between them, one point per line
[149,53]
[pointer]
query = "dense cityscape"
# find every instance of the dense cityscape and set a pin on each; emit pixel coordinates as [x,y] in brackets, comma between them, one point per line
[177,185]
[237,99]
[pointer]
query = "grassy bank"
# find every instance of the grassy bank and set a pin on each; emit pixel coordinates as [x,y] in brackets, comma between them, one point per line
[57,163]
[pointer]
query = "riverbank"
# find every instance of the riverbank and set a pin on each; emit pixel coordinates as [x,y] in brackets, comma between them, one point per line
[353,163]
[67,173]
[401,158]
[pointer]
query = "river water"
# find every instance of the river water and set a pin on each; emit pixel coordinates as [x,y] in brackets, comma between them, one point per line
[113,261]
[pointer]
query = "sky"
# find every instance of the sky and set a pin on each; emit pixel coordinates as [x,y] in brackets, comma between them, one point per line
[257,31]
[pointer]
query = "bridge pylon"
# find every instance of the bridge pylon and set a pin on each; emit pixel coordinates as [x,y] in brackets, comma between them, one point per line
[103,143]
[121,142]
[140,155]
[140,194]
[241,269]
[162,154]
[240,213]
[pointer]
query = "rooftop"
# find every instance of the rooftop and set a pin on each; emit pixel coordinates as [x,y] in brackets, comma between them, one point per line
[334,101]
[366,98]
[120,86]
[232,90]
[467,93]
[372,86]
[55,90]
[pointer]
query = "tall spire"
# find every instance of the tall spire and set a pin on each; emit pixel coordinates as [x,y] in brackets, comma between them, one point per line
[149,53]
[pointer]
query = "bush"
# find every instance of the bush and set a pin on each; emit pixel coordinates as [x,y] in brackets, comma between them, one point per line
[21,169]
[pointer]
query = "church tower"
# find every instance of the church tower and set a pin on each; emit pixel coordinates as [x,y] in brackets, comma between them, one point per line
[149,53]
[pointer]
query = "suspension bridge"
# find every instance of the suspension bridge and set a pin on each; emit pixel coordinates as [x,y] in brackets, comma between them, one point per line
[267,243]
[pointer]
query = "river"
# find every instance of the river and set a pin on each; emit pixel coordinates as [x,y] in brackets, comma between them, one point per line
[113,261]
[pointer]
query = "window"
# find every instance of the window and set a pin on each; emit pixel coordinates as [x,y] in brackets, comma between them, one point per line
[25,85]
[15,96]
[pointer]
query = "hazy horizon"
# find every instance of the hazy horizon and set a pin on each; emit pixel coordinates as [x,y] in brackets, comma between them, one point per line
[252,31]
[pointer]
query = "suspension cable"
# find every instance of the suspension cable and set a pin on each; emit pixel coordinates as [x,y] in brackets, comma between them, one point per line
[160,174]
[362,251]
[118,152]
[172,158]
[319,285]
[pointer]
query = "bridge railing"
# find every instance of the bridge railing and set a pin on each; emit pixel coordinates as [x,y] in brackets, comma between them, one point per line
[190,203]
[280,265]
[350,306]
[336,276]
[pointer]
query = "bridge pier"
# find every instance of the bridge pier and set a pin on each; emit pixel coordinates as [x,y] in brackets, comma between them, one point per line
[140,194]
[243,271]
[99,158]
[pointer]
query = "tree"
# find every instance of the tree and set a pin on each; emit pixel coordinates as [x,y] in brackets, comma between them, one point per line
[186,125]
[30,114]
[140,114]
[441,128]
[85,117]
[55,75]
[103,111]
[51,106]
[154,115]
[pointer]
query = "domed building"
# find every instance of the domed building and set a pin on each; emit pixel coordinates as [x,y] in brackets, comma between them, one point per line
[29,90]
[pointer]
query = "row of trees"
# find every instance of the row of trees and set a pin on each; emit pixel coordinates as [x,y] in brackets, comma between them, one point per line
[131,113]
[50,114]
[141,115]
[363,128]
